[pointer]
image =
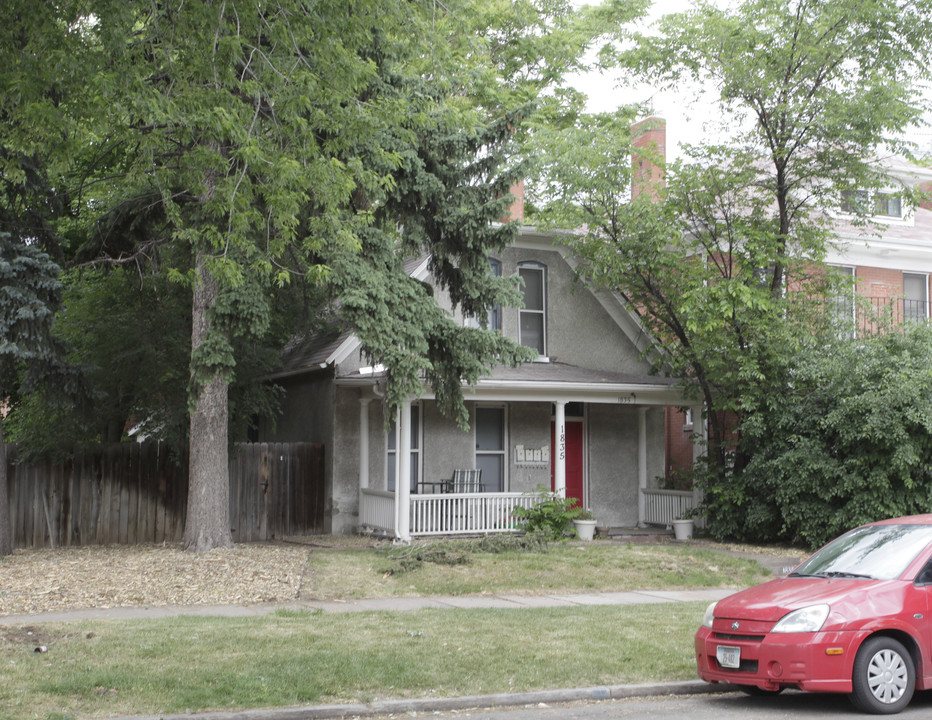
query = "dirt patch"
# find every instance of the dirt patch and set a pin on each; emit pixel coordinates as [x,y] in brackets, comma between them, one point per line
[33,581]
[28,635]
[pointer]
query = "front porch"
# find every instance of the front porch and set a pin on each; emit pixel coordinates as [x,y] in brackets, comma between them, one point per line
[481,513]
[591,435]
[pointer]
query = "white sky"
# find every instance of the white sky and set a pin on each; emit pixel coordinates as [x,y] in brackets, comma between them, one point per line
[690,117]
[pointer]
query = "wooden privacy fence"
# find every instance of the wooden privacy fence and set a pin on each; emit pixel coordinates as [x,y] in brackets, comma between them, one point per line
[135,493]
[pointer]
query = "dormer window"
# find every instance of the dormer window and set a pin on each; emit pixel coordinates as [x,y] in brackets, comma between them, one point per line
[854,201]
[883,204]
[888,204]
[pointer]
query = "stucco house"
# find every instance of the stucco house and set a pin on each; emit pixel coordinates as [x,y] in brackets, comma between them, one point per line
[586,418]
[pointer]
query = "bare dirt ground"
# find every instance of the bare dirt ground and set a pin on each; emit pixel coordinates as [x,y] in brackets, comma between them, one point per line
[33,581]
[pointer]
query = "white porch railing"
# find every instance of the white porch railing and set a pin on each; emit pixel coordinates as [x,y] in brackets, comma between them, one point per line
[445,513]
[467,513]
[377,510]
[662,506]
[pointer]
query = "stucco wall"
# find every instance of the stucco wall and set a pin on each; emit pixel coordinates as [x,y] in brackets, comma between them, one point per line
[613,460]
[343,501]
[579,330]
[445,447]
[529,425]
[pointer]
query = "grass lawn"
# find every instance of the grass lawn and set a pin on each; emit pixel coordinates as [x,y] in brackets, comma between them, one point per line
[352,573]
[96,669]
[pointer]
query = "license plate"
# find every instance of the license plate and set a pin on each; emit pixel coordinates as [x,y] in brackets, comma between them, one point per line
[728,656]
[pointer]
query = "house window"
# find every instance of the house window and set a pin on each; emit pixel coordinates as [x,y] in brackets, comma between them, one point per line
[490,447]
[854,201]
[862,202]
[888,204]
[494,319]
[533,316]
[915,296]
[391,454]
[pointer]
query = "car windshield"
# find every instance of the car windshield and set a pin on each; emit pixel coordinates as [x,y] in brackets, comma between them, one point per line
[882,552]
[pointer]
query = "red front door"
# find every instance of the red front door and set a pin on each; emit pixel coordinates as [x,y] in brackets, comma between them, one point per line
[574,459]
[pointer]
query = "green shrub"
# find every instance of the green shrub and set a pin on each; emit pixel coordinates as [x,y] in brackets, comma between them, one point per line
[848,441]
[552,516]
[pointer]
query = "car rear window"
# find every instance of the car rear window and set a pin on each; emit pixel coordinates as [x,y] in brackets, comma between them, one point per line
[877,551]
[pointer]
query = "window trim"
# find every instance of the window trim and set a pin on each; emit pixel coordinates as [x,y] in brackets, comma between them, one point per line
[873,203]
[922,303]
[534,266]
[503,453]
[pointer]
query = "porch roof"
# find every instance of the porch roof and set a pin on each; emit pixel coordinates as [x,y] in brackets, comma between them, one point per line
[551,381]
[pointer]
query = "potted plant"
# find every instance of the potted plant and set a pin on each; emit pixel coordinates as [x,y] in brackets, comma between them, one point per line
[584,521]
[683,526]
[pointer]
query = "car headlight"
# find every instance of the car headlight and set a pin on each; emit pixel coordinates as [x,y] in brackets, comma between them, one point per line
[709,616]
[807,619]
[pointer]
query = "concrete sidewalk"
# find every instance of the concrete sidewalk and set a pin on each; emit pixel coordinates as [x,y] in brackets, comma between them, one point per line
[398,604]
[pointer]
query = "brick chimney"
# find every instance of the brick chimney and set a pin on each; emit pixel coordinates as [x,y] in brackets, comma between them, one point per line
[648,157]
[516,211]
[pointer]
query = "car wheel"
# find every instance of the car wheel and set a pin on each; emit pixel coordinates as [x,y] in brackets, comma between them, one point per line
[884,676]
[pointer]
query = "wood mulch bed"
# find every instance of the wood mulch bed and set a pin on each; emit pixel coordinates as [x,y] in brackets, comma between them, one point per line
[44,580]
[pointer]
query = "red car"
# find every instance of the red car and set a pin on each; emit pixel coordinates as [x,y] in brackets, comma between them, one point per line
[854,618]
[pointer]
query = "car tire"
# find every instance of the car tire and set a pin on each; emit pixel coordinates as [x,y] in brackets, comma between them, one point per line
[755,691]
[884,676]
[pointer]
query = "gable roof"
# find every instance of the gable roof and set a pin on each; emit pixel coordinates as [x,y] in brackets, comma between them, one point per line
[320,351]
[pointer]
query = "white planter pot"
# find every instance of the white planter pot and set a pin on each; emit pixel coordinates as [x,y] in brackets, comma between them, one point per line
[683,529]
[585,529]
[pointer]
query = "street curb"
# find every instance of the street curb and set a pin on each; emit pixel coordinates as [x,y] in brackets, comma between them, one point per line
[467,702]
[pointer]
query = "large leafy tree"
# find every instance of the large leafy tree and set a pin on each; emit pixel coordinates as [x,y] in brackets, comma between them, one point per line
[240,147]
[270,142]
[724,268]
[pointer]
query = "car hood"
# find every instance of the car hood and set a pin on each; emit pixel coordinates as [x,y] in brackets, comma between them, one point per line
[849,597]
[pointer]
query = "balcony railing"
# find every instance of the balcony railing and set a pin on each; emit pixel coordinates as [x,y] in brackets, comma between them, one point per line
[900,309]
[881,312]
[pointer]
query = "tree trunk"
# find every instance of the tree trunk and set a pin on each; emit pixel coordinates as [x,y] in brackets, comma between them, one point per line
[6,534]
[207,524]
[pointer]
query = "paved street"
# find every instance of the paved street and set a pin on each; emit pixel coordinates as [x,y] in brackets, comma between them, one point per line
[724,706]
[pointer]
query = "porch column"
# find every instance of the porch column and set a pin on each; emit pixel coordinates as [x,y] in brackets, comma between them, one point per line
[642,462]
[403,477]
[364,442]
[559,440]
